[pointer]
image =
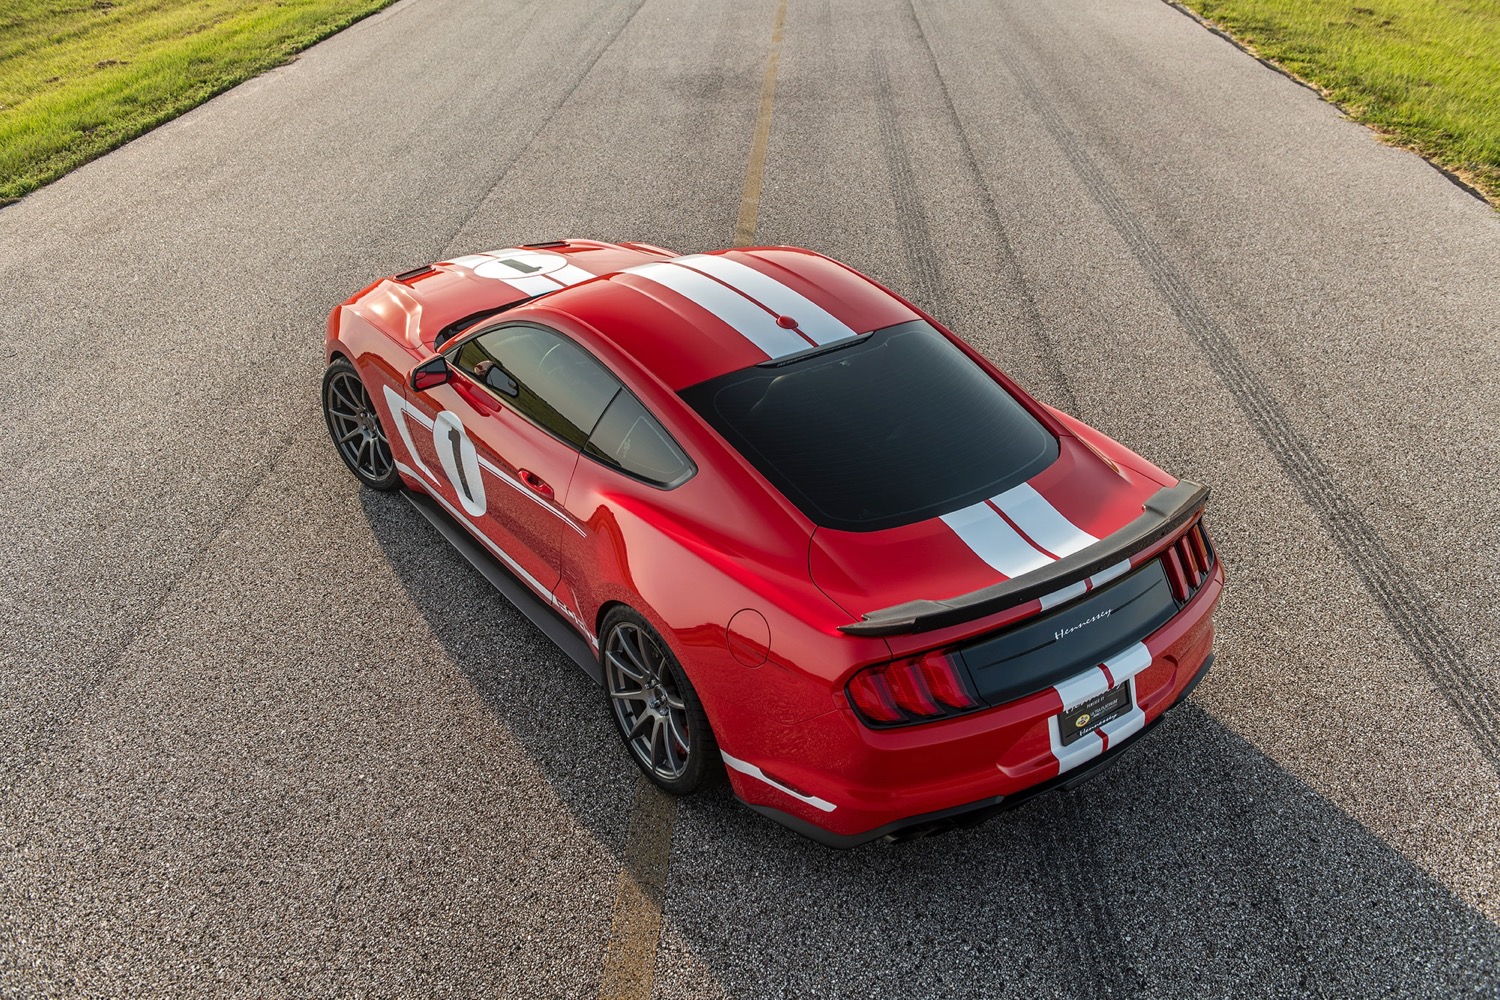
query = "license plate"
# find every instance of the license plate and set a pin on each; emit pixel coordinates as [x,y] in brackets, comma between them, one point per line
[1093,713]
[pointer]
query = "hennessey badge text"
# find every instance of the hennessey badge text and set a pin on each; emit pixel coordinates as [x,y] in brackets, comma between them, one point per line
[1074,628]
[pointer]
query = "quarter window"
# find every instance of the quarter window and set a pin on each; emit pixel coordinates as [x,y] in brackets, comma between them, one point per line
[627,437]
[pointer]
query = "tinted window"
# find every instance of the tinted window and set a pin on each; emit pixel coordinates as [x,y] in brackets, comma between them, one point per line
[628,437]
[894,429]
[543,375]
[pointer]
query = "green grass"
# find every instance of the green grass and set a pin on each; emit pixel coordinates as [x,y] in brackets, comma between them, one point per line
[80,77]
[1423,73]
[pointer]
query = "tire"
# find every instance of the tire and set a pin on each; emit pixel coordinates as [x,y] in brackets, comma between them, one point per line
[355,428]
[656,711]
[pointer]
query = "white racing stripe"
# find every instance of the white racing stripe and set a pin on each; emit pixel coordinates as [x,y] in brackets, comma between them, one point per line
[532,284]
[1086,747]
[1082,587]
[731,308]
[812,319]
[1081,687]
[1121,668]
[1128,662]
[1042,522]
[991,539]
[1035,533]
[531,272]
[741,766]
[570,274]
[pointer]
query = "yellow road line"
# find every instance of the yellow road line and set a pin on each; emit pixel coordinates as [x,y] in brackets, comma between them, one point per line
[630,961]
[635,930]
[744,230]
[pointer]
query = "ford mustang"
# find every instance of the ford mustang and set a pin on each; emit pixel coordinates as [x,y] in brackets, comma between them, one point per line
[802,535]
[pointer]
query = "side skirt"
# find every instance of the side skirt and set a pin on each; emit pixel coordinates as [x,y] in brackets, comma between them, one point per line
[553,625]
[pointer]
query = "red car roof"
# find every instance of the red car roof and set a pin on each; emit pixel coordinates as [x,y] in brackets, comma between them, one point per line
[692,318]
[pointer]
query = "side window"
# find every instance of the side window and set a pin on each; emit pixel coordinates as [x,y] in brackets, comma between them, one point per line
[544,375]
[629,438]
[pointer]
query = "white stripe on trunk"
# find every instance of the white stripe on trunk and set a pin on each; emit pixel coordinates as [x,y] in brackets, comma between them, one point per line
[1042,523]
[991,539]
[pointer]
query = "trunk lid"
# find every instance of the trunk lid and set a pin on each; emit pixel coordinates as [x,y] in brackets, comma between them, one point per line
[1078,499]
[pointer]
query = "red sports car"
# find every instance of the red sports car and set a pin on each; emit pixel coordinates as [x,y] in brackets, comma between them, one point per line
[800,532]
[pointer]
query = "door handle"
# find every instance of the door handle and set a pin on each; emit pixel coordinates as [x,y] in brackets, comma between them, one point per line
[535,483]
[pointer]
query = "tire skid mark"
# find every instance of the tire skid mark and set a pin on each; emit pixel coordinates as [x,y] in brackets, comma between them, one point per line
[1011,273]
[1394,588]
[911,218]
[1090,918]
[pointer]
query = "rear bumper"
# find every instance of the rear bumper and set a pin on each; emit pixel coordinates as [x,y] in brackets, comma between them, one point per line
[974,813]
[841,783]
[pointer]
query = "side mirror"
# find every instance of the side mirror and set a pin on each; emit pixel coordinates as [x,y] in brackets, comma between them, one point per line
[497,378]
[430,374]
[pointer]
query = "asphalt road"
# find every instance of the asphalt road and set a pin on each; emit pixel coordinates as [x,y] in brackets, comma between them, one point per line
[262,733]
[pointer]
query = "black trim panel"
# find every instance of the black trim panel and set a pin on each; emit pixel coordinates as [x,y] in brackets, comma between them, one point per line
[1168,510]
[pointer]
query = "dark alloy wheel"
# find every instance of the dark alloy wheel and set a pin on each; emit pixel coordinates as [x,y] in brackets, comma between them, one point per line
[355,428]
[655,707]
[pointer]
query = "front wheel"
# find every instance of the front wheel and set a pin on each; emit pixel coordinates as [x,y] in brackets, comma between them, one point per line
[655,708]
[355,428]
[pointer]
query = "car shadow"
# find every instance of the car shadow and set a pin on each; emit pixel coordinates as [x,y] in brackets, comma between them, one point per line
[1197,866]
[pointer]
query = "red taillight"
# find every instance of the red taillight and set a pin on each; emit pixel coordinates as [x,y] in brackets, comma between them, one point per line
[942,681]
[908,691]
[1199,546]
[1187,562]
[872,696]
[1176,575]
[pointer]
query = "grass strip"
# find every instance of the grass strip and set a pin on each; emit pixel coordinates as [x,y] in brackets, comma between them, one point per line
[80,77]
[1425,74]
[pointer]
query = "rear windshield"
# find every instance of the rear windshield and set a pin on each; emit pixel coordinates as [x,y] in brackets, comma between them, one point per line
[896,428]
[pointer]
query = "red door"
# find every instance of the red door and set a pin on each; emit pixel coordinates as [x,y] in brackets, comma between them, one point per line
[496,472]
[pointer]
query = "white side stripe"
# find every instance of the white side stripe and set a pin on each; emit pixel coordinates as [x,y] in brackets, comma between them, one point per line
[400,410]
[745,317]
[994,541]
[812,319]
[1042,522]
[744,768]
[510,481]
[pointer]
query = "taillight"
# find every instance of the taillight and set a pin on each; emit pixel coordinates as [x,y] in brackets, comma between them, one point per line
[1188,562]
[921,689]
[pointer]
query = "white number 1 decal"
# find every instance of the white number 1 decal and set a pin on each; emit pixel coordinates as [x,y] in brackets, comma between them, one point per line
[455,451]
[460,461]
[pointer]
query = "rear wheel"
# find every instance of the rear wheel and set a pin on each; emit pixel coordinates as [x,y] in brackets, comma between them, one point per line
[355,428]
[655,708]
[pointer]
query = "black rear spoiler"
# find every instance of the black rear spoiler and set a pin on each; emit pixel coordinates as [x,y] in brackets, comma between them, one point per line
[1169,510]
